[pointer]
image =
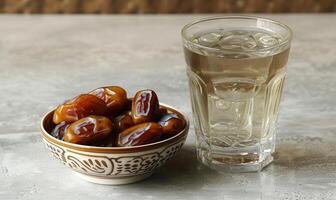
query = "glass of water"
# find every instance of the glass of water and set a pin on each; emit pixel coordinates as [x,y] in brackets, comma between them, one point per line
[236,66]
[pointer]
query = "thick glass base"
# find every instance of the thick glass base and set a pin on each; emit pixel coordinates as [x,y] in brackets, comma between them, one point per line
[233,159]
[236,168]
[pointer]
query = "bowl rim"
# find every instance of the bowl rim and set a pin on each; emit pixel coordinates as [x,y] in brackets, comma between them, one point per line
[133,149]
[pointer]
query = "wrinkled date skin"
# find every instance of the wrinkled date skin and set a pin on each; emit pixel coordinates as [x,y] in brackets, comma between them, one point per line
[115,98]
[123,122]
[59,130]
[145,106]
[78,108]
[171,124]
[140,134]
[88,130]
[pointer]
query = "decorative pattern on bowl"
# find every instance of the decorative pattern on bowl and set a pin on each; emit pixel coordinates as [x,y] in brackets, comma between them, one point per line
[113,165]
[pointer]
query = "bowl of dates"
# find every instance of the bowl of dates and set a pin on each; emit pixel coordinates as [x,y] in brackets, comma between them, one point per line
[106,137]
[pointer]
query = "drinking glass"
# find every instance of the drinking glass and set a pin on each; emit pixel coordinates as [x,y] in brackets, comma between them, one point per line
[236,68]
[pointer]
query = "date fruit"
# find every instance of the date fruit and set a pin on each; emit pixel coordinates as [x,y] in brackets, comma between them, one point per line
[140,134]
[78,108]
[105,117]
[128,105]
[59,130]
[162,111]
[115,98]
[145,106]
[171,124]
[109,141]
[123,122]
[88,130]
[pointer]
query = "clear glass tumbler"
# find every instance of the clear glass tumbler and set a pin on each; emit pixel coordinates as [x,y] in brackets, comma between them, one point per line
[236,71]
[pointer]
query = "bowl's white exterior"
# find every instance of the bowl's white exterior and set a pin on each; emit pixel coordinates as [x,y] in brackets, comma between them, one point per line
[115,169]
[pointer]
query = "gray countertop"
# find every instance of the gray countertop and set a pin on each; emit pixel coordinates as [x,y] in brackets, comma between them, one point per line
[46,59]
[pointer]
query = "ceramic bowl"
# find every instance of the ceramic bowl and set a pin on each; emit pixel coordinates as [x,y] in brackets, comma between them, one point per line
[113,165]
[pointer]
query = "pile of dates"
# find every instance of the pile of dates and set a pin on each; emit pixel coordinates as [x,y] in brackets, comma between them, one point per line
[106,117]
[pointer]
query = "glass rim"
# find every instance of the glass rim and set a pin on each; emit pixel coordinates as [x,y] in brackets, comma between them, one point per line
[247,17]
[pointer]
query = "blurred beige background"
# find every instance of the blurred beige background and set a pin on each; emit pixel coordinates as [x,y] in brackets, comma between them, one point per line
[166,6]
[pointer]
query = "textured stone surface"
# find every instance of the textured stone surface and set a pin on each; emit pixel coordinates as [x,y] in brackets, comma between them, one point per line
[46,59]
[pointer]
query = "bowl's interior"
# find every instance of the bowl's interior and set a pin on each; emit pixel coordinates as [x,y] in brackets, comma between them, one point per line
[47,126]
